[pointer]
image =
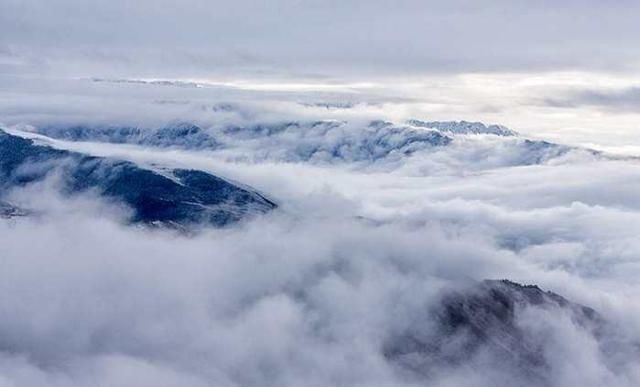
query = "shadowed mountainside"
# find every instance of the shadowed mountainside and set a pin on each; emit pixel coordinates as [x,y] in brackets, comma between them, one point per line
[481,326]
[177,197]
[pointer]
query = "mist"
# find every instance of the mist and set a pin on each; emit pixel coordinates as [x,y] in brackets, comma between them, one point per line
[312,292]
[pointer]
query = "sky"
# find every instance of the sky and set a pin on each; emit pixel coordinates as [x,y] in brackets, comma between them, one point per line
[566,71]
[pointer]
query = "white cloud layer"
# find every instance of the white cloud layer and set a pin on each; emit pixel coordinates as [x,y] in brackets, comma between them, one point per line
[577,108]
[310,293]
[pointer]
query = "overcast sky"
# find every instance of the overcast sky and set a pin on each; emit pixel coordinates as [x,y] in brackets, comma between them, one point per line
[558,69]
[323,38]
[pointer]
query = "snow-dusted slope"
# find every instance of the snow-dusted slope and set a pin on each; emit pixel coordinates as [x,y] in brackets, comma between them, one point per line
[464,127]
[178,197]
[180,135]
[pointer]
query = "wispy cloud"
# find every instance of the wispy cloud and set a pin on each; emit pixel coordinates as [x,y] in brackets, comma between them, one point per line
[625,99]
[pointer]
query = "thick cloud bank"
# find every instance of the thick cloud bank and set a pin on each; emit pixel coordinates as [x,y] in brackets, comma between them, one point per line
[358,257]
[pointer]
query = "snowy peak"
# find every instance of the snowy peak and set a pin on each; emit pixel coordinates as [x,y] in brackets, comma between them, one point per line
[463,127]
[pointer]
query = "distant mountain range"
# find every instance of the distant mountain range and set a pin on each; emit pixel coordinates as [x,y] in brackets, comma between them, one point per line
[323,141]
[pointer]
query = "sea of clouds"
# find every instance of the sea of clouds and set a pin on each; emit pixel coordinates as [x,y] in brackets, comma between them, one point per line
[310,294]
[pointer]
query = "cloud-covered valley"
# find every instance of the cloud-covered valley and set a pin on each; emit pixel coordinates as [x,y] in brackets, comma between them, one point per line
[358,254]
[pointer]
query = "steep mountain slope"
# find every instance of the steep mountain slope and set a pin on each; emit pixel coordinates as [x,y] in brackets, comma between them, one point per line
[177,197]
[484,325]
